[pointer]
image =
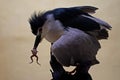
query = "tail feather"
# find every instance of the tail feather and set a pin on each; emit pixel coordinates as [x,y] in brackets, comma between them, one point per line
[99,34]
[102,34]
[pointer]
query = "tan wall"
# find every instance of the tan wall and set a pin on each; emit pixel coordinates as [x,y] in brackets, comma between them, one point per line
[16,39]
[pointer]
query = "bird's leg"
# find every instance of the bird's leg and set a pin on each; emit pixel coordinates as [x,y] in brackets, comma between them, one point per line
[82,72]
[57,71]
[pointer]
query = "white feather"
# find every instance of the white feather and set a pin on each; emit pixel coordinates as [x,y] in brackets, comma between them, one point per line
[52,29]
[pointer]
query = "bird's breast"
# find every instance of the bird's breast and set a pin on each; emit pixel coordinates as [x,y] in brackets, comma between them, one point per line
[52,30]
[52,36]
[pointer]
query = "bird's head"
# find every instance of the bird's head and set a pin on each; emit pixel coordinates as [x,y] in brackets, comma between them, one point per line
[36,22]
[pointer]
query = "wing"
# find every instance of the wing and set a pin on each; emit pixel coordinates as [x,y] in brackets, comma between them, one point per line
[87,9]
[79,17]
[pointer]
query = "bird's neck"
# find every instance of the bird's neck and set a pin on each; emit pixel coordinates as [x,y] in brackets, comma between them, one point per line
[53,31]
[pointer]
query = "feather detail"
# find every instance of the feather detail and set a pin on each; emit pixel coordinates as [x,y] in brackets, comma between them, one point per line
[87,9]
[99,21]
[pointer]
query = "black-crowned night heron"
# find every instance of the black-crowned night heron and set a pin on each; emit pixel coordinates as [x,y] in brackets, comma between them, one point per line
[74,34]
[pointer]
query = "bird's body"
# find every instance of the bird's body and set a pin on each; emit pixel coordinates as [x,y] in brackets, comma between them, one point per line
[75,46]
[70,46]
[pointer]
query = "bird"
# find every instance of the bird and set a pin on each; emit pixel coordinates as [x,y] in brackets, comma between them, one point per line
[72,41]
[68,17]
[74,35]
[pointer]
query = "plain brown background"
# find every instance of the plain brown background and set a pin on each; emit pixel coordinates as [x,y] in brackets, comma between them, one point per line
[16,39]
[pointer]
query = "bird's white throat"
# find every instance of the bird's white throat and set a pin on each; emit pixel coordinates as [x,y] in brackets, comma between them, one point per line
[52,30]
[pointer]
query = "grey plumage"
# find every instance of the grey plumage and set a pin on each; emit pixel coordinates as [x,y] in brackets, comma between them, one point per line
[72,46]
[76,47]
